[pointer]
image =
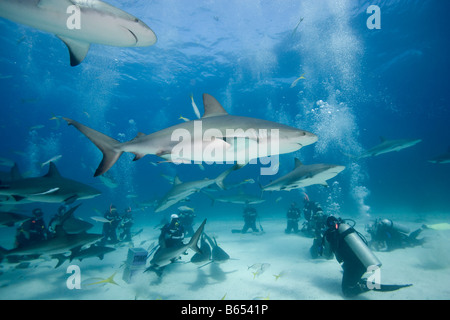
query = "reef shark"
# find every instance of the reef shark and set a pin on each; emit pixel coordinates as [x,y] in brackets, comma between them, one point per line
[91,252]
[182,190]
[217,137]
[78,23]
[304,175]
[59,244]
[239,198]
[164,256]
[388,146]
[50,188]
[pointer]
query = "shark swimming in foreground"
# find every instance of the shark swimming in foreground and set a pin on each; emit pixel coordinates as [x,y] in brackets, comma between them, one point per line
[388,146]
[304,175]
[233,138]
[165,256]
[182,190]
[51,188]
[78,23]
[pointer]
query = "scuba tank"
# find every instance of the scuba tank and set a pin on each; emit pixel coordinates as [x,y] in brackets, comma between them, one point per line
[395,226]
[358,246]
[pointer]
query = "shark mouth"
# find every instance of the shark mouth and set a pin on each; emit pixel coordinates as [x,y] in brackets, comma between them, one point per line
[134,36]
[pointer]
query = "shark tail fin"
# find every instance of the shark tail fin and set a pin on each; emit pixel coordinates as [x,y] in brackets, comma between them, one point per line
[223,175]
[107,145]
[194,240]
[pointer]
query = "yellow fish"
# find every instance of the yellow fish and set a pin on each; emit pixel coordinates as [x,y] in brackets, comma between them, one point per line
[107,280]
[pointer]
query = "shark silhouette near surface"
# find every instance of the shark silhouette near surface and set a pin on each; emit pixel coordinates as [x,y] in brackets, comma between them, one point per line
[78,23]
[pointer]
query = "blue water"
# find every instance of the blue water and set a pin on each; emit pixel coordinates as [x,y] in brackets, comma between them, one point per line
[359,84]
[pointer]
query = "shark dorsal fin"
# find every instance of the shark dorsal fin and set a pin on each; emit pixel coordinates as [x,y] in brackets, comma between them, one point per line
[298,163]
[176,181]
[53,171]
[383,139]
[212,107]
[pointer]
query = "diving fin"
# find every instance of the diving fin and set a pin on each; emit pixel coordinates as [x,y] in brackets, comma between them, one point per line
[391,287]
[439,226]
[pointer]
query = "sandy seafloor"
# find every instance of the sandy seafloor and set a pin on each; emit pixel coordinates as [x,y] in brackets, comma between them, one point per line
[426,267]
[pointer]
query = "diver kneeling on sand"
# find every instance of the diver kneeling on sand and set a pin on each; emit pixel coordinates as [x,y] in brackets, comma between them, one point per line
[350,249]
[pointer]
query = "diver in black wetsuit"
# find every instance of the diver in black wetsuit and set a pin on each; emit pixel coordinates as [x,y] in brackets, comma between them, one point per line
[250,216]
[387,235]
[350,249]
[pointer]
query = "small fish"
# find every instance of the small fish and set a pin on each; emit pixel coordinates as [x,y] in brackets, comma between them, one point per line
[87,114]
[184,119]
[259,268]
[277,276]
[185,208]
[131,196]
[107,280]
[153,163]
[194,106]
[201,167]
[278,199]
[54,159]
[100,219]
[297,80]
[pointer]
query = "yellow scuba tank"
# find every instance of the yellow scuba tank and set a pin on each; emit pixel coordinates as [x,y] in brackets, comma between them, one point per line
[357,245]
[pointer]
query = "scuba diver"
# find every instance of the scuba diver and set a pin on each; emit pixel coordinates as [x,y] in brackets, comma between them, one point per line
[314,216]
[187,221]
[387,235]
[293,215]
[250,215]
[32,230]
[109,228]
[126,222]
[56,221]
[172,233]
[351,250]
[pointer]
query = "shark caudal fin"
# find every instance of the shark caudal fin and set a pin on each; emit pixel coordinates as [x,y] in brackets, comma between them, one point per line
[107,145]
[194,240]
[223,175]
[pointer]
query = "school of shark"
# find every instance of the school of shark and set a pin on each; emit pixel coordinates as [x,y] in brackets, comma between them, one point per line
[242,148]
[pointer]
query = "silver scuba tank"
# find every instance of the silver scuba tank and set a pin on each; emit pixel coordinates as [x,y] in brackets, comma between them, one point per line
[357,245]
[395,226]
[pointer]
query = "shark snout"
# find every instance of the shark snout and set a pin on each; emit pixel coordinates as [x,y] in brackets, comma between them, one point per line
[307,138]
[143,35]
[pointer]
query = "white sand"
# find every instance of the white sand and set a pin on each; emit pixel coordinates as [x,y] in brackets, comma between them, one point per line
[427,268]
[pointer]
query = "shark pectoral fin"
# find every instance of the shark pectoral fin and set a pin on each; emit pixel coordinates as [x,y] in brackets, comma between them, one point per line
[77,50]
[138,156]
